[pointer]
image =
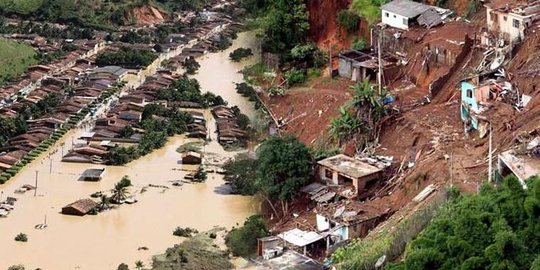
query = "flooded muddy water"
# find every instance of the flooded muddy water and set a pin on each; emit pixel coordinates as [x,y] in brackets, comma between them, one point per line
[112,237]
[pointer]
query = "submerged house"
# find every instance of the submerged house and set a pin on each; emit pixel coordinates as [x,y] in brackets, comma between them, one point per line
[349,173]
[80,207]
[93,174]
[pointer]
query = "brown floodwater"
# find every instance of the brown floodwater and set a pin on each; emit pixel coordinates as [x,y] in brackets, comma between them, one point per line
[112,237]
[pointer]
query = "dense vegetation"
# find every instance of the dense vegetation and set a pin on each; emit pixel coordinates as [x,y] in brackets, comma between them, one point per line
[98,14]
[15,57]
[281,168]
[170,121]
[242,241]
[496,229]
[349,20]
[126,57]
[186,89]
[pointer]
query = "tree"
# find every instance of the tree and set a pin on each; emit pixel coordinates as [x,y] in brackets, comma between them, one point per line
[16,267]
[119,192]
[191,65]
[349,20]
[242,241]
[240,174]
[286,26]
[284,167]
[123,266]
[139,265]
[104,203]
[368,9]
[21,237]
[345,126]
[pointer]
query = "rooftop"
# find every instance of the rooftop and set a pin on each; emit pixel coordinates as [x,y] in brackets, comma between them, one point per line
[405,8]
[349,166]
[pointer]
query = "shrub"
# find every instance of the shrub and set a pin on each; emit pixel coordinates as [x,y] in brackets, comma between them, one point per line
[184,232]
[16,267]
[21,237]
[295,76]
[239,54]
[348,20]
[358,44]
[3,180]
[243,241]
[213,235]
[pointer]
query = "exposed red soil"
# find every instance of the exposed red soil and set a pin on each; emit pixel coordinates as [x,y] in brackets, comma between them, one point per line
[147,15]
[308,110]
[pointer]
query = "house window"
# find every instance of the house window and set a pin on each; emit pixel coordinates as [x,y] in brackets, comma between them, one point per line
[405,22]
[516,23]
[394,16]
[505,18]
[469,93]
[387,14]
[328,174]
[493,16]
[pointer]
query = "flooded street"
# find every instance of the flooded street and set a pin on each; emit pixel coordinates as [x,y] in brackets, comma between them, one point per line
[218,74]
[112,237]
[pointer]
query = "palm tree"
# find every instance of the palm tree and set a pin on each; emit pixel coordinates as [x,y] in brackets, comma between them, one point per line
[139,265]
[119,193]
[104,203]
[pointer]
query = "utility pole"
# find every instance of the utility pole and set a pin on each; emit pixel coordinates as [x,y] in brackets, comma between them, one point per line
[35,190]
[379,52]
[330,59]
[490,154]
[50,165]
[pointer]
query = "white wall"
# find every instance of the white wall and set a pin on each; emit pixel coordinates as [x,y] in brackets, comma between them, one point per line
[323,223]
[395,20]
[506,26]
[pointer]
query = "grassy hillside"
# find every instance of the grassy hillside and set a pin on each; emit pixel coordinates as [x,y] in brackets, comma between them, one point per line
[14,59]
[22,7]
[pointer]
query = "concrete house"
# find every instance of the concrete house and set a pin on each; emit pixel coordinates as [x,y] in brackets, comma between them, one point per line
[341,170]
[79,208]
[511,20]
[359,65]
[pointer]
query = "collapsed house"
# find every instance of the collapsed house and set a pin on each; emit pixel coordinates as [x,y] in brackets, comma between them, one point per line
[523,161]
[359,65]
[511,21]
[350,176]
[480,92]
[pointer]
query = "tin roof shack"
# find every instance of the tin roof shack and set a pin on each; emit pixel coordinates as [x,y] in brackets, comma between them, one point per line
[341,170]
[512,20]
[79,208]
[191,158]
[403,14]
[302,240]
[93,175]
[359,65]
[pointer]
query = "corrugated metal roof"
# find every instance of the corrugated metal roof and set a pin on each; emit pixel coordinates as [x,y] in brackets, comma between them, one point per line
[405,8]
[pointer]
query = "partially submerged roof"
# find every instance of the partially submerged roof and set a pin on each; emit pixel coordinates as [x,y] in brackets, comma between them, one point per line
[82,206]
[93,173]
[406,8]
[300,238]
[523,166]
[349,166]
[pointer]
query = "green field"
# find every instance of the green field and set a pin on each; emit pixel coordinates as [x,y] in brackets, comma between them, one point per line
[20,6]
[15,57]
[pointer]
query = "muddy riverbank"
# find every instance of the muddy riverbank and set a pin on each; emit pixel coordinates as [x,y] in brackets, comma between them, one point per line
[113,237]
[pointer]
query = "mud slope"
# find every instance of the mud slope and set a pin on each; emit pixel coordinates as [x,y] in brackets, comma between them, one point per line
[147,15]
[322,19]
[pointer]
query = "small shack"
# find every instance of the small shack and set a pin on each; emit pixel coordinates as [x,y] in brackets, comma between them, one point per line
[191,158]
[93,175]
[79,208]
[341,170]
[358,65]
[297,238]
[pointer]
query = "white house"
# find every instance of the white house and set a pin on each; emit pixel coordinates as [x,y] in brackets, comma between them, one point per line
[511,20]
[403,14]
